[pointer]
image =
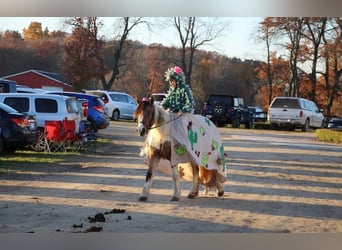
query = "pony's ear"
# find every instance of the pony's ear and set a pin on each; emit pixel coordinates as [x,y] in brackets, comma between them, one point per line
[138,100]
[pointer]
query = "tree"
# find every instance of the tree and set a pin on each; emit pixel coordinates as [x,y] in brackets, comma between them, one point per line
[267,32]
[82,61]
[33,32]
[124,26]
[314,31]
[193,33]
[332,53]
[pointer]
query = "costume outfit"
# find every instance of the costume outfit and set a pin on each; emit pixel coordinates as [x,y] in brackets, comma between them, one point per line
[180,98]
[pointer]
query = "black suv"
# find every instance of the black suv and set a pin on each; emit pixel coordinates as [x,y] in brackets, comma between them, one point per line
[227,109]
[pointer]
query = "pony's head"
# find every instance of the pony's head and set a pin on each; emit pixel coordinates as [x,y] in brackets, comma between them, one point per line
[144,114]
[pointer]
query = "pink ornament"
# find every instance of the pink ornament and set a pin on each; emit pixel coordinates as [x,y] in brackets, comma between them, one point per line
[178,70]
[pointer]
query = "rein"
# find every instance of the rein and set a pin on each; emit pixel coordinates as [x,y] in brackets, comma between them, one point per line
[165,122]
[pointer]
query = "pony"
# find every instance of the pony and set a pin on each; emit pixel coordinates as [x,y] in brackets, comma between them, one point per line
[177,140]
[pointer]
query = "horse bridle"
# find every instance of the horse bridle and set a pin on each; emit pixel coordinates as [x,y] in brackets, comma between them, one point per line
[151,122]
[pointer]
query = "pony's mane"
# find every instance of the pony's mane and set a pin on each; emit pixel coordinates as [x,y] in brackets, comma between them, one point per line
[160,115]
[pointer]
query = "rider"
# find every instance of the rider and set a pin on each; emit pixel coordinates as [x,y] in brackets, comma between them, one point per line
[179,98]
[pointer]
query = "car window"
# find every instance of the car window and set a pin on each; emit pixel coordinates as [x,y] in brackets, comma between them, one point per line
[285,103]
[18,103]
[131,100]
[44,105]
[227,100]
[98,101]
[118,98]
[71,105]
[158,98]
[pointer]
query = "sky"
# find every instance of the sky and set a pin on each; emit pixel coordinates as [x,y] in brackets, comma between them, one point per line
[239,40]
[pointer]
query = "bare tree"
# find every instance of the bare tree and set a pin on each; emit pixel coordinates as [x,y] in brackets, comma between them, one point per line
[315,29]
[193,33]
[123,27]
[267,32]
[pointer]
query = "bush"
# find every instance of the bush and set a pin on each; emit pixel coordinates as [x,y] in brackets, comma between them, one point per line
[329,135]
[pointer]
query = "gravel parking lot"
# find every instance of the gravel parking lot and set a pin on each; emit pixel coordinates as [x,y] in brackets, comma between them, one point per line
[278,181]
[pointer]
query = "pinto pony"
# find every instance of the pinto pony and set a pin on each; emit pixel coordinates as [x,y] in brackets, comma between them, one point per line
[188,139]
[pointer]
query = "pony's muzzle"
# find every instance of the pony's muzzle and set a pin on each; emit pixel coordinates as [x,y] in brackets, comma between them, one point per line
[141,129]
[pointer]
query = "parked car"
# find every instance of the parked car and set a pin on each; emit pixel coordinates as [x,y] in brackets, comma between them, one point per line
[16,129]
[227,109]
[258,115]
[294,112]
[7,86]
[158,97]
[44,106]
[120,105]
[333,122]
[96,109]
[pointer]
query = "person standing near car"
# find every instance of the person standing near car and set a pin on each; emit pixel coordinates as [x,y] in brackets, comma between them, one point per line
[179,98]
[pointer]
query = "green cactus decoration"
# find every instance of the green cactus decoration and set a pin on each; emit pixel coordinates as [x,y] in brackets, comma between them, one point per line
[180,149]
[192,135]
[205,159]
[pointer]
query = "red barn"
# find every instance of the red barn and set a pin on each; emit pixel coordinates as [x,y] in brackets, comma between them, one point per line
[40,79]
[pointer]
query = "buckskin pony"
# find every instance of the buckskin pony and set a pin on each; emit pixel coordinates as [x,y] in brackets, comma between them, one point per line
[190,143]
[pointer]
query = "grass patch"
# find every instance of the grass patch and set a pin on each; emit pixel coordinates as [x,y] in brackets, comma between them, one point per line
[28,158]
[329,135]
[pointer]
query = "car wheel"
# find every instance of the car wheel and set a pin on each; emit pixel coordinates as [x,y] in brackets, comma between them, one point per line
[305,127]
[1,145]
[236,122]
[218,108]
[249,124]
[115,115]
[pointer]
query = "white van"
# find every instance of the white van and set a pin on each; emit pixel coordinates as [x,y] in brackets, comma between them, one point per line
[44,106]
[295,112]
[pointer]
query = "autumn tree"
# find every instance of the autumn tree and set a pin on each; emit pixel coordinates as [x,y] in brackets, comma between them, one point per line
[313,32]
[33,32]
[280,74]
[266,34]
[332,54]
[82,60]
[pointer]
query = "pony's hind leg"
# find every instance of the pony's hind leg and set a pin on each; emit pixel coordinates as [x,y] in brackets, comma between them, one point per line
[176,188]
[219,186]
[195,182]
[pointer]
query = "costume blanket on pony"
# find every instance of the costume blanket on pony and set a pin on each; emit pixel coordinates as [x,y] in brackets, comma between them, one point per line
[195,138]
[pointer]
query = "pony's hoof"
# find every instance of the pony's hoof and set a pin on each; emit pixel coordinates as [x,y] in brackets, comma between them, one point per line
[192,195]
[220,193]
[143,198]
[174,198]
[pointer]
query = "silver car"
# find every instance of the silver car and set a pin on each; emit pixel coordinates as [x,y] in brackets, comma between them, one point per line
[120,105]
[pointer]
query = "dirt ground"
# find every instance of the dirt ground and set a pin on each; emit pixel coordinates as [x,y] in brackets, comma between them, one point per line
[284,182]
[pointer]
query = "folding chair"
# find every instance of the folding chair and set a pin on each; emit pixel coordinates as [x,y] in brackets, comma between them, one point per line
[71,138]
[54,136]
[87,137]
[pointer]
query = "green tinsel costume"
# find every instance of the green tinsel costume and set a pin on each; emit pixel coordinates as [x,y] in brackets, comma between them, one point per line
[179,98]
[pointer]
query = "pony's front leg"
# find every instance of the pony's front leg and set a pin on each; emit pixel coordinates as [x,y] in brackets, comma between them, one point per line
[149,179]
[195,182]
[176,188]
